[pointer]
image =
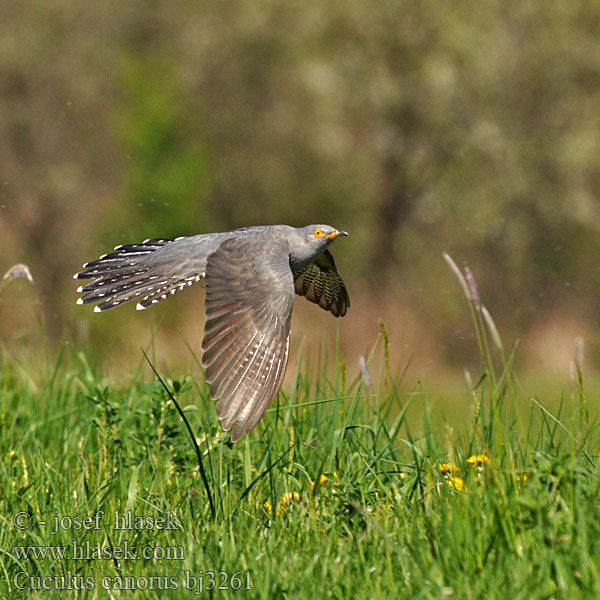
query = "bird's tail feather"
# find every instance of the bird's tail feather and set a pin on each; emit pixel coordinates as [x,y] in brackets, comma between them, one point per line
[124,275]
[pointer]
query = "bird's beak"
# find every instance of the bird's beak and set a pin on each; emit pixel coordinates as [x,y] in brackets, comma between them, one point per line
[336,233]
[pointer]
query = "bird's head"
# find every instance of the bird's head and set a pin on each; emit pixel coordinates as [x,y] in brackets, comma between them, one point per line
[311,241]
[320,236]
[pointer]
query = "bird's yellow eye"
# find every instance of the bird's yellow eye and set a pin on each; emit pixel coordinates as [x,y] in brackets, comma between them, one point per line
[318,232]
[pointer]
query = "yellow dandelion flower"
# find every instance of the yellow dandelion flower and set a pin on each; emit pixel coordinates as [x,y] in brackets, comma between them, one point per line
[457,483]
[522,477]
[478,460]
[283,505]
[289,496]
[448,469]
[323,479]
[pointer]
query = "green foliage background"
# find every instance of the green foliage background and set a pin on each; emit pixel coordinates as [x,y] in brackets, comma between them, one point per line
[419,127]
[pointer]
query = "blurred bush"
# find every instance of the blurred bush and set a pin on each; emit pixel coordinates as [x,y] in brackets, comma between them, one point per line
[418,126]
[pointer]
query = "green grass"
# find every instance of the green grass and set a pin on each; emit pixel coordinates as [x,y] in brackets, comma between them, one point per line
[336,494]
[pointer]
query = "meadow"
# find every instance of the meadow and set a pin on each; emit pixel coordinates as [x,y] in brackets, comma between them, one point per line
[131,490]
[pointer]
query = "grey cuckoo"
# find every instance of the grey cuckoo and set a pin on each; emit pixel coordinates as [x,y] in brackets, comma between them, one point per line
[250,275]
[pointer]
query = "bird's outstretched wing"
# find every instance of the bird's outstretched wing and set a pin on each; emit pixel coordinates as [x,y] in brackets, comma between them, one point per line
[321,283]
[249,301]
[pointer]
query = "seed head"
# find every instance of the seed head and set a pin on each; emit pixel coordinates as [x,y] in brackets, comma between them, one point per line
[473,288]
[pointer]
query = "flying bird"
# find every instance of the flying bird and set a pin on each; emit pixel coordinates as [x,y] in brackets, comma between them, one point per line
[250,276]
